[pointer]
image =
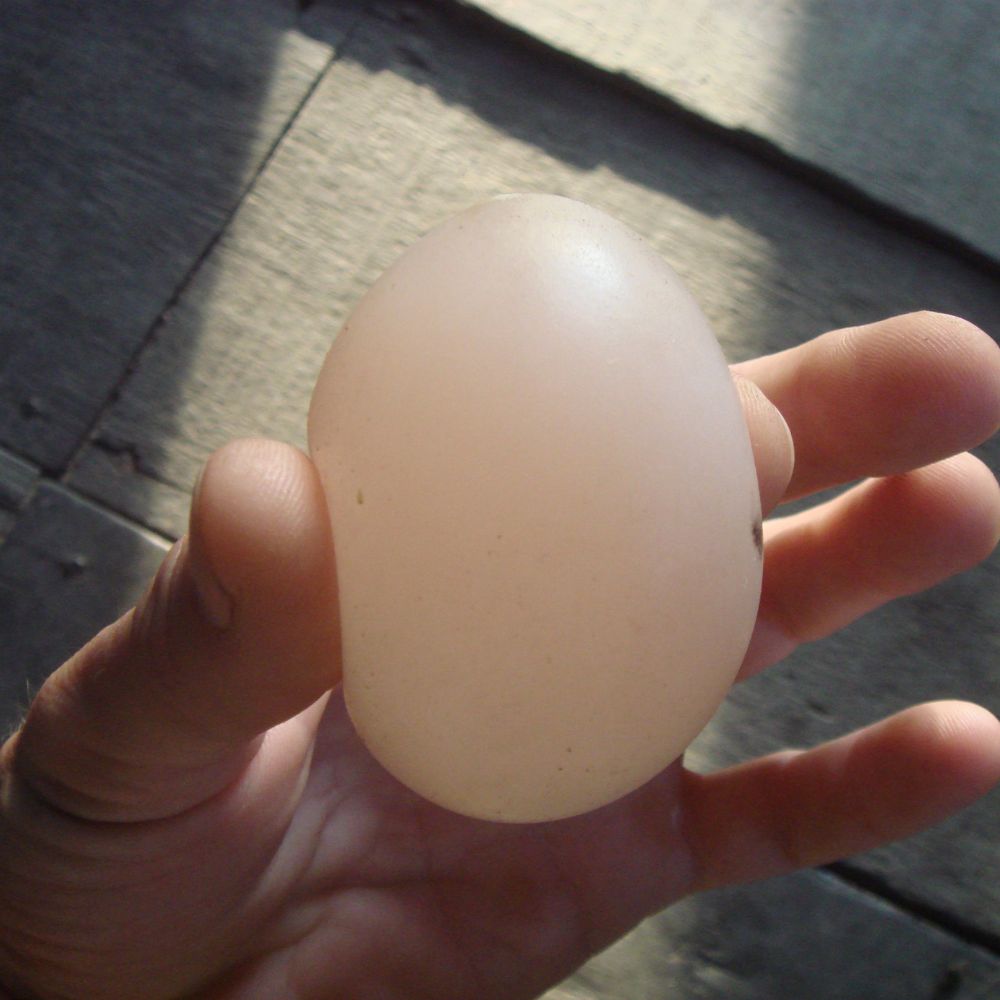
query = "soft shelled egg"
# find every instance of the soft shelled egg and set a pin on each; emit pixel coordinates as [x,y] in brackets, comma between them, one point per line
[544,508]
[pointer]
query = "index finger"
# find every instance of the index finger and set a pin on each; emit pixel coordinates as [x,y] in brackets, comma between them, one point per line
[882,399]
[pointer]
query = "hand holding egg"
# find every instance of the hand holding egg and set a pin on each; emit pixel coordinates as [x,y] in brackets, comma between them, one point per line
[544,524]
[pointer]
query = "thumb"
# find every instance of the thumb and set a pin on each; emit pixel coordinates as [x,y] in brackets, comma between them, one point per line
[237,633]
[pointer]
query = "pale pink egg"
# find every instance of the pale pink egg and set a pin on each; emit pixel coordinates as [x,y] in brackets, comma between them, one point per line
[544,510]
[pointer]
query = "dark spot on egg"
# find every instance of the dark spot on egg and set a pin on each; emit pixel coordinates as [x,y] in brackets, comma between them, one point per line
[757,531]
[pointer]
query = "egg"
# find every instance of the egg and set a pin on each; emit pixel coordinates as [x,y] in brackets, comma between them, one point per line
[544,508]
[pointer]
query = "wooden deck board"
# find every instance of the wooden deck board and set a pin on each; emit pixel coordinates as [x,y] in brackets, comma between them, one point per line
[384,149]
[17,482]
[901,100]
[803,936]
[129,134]
[67,569]
[419,116]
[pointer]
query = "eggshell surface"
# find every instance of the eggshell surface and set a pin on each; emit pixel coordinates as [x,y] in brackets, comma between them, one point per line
[545,512]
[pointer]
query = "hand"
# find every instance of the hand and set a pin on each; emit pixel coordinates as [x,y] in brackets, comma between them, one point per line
[187,811]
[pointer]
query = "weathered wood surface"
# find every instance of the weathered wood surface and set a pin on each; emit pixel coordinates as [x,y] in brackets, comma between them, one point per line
[17,481]
[67,569]
[418,116]
[940,644]
[409,127]
[129,132]
[804,937]
[901,100]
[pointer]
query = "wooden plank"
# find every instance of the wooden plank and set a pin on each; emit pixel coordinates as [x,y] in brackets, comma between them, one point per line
[940,644]
[377,158]
[422,117]
[129,133]
[17,482]
[67,569]
[806,935]
[901,100]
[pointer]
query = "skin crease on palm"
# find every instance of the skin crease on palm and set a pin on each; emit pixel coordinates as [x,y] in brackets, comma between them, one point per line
[187,811]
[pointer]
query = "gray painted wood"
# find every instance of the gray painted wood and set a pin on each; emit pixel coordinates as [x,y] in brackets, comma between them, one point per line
[804,936]
[900,99]
[129,133]
[17,482]
[940,644]
[67,569]
[377,157]
[420,118]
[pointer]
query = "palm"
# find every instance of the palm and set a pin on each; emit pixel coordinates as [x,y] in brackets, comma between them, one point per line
[383,894]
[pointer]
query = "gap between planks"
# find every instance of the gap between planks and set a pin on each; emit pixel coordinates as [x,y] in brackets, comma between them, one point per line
[89,433]
[766,150]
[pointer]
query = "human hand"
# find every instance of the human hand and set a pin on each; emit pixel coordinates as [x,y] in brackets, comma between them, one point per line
[187,810]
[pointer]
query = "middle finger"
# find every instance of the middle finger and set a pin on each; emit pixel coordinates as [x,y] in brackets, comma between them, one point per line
[882,399]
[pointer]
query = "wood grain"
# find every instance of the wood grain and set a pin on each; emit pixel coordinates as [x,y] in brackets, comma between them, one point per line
[900,100]
[414,123]
[805,935]
[67,569]
[129,134]
[17,482]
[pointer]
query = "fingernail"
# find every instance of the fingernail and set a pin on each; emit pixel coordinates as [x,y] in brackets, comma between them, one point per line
[768,644]
[216,604]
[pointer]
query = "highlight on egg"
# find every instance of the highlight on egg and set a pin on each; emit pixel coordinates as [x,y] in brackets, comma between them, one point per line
[544,509]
